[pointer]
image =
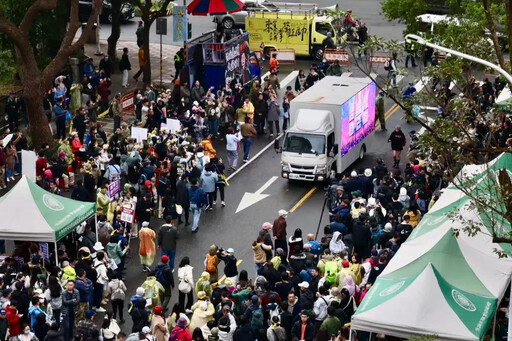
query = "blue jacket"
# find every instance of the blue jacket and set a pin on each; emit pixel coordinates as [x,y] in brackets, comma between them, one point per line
[197,196]
[84,288]
[208,181]
[34,312]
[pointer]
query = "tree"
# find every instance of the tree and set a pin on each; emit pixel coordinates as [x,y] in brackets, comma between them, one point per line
[33,79]
[490,16]
[465,133]
[149,13]
[116,31]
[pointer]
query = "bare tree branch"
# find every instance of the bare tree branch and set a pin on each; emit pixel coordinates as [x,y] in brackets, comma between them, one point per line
[37,7]
[494,35]
[68,48]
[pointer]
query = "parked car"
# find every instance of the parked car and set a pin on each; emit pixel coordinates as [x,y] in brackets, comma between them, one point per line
[237,19]
[85,6]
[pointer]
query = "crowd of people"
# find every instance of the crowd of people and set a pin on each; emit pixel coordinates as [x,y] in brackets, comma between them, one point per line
[302,287]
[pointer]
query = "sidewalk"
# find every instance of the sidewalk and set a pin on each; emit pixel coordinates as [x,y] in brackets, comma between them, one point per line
[168,52]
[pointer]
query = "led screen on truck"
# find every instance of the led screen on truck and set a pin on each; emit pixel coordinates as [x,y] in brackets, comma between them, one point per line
[358,118]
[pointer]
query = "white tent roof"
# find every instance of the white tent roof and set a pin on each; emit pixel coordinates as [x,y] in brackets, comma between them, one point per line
[30,213]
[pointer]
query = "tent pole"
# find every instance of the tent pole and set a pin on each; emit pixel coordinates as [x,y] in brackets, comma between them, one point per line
[510,315]
[96,226]
[56,255]
[350,333]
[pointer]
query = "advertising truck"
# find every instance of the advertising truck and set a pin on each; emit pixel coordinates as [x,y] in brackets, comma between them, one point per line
[303,31]
[331,126]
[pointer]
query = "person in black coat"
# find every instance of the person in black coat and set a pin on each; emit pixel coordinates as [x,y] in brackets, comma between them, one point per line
[309,331]
[107,66]
[244,332]
[397,140]
[54,334]
[79,192]
[183,198]
[361,236]
[125,66]
[140,316]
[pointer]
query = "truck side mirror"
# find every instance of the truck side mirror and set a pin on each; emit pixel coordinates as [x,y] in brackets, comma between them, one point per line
[277,148]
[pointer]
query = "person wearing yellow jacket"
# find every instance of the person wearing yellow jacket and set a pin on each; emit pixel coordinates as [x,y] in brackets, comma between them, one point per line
[102,201]
[208,149]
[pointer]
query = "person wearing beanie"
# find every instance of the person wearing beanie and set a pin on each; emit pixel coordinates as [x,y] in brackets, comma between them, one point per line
[181,331]
[158,325]
[164,275]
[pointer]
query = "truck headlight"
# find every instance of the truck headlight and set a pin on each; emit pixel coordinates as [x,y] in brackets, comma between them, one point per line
[286,168]
[320,169]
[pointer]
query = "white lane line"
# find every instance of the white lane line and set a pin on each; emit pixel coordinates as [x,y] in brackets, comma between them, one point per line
[265,75]
[422,83]
[254,157]
[266,185]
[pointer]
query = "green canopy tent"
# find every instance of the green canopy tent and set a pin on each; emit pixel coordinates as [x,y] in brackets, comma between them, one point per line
[30,213]
[440,284]
[504,101]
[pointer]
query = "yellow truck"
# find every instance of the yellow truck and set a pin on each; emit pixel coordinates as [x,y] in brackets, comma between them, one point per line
[302,31]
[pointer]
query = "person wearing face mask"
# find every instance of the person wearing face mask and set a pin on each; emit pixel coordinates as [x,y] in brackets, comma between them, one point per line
[27,335]
[107,66]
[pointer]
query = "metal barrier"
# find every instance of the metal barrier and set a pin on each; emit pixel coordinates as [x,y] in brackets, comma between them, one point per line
[286,57]
[379,57]
[340,55]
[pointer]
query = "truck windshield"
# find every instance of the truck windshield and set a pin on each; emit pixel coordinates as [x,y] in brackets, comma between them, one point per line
[304,143]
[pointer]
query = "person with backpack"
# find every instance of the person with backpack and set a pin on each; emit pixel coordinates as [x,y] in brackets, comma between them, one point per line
[197,199]
[211,262]
[167,237]
[203,285]
[180,332]
[320,306]
[272,310]
[330,271]
[275,332]
[117,292]
[140,316]
[153,291]
[391,68]
[164,276]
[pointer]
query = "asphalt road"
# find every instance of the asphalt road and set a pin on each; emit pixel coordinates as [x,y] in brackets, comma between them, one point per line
[368,11]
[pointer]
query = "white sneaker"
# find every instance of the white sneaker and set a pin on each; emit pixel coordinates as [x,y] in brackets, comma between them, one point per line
[100,310]
[271,135]
[12,178]
[223,204]
[8,179]
[215,203]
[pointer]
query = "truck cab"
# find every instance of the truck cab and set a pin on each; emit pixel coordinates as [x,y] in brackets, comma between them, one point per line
[308,148]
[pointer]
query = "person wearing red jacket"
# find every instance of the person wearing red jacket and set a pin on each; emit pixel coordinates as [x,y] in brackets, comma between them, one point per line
[103,93]
[41,165]
[181,331]
[14,321]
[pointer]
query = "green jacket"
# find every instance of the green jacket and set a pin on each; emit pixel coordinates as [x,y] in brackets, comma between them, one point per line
[334,70]
[332,325]
[115,252]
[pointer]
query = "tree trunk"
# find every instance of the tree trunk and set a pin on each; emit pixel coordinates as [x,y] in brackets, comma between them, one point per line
[39,127]
[116,32]
[494,35]
[147,69]
[33,90]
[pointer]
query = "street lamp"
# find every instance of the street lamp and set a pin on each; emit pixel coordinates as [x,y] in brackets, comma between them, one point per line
[422,41]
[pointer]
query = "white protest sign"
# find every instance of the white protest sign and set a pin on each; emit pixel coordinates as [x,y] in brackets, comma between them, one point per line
[28,164]
[173,125]
[140,134]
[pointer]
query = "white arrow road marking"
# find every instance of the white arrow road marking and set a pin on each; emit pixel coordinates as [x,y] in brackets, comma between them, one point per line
[250,199]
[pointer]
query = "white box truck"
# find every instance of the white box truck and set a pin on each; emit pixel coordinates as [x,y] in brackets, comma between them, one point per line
[331,126]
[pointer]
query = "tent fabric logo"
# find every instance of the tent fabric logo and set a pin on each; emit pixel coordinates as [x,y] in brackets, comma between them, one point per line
[392,289]
[52,203]
[463,301]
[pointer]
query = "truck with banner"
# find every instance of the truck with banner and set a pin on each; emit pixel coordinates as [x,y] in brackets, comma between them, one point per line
[302,31]
[331,126]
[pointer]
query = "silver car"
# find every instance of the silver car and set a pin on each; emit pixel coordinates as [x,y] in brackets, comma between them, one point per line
[238,19]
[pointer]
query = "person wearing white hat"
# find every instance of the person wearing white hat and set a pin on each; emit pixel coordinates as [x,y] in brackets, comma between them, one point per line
[279,231]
